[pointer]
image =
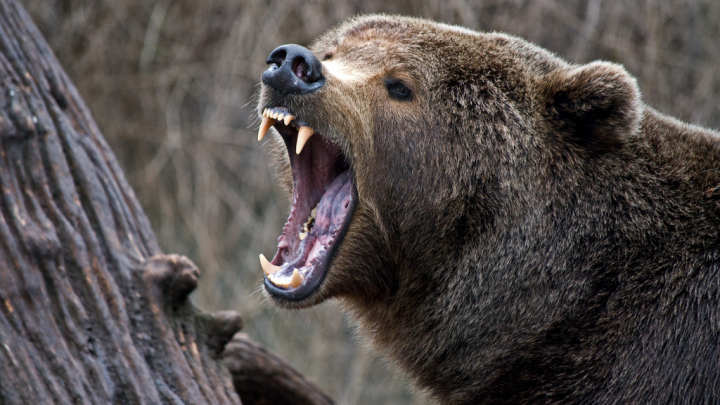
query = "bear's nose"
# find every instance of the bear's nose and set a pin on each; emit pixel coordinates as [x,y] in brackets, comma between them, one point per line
[293,70]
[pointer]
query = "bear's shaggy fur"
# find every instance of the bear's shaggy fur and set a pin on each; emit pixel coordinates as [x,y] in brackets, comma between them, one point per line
[526,230]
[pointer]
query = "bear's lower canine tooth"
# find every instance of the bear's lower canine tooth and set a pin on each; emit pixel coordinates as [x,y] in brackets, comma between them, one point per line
[268,268]
[296,279]
[303,135]
[302,235]
[267,122]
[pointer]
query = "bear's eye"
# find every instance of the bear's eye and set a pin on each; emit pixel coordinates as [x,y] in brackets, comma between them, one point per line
[327,56]
[397,90]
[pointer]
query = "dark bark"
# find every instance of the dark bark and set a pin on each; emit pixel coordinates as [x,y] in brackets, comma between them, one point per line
[84,317]
[91,311]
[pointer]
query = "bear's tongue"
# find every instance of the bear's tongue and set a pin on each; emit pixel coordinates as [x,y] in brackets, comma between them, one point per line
[323,200]
[308,249]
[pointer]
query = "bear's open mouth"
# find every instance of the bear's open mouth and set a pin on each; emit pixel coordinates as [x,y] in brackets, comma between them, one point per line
[323,201]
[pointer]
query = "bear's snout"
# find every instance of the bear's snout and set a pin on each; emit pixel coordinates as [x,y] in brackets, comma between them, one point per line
[293,70]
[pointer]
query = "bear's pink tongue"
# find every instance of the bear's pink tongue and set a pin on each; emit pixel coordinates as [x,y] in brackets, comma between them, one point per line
[306,264]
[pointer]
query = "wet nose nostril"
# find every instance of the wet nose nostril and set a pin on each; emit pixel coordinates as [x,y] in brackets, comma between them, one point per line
[277,57]
[289,63]
[301,69]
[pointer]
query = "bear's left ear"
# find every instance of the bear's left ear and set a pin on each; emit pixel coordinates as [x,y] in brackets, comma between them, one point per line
[595,106]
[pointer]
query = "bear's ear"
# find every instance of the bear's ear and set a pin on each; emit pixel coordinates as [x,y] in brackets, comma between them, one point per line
[595,106]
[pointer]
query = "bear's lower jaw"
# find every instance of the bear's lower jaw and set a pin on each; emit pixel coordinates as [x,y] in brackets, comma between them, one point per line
[324,198]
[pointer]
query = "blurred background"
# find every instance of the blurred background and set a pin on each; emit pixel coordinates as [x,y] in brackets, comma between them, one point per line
[172,85]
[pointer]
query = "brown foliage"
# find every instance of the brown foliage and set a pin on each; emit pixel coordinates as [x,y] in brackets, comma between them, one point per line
[171,85]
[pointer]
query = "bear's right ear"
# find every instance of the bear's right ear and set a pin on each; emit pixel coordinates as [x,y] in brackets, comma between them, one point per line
[595,106]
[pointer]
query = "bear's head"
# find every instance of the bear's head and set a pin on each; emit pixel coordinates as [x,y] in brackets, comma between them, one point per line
[403,142]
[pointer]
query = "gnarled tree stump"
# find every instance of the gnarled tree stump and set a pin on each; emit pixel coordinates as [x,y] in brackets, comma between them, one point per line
[91,311]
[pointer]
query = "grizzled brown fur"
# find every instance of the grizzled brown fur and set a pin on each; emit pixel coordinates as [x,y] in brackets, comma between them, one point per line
[527,230]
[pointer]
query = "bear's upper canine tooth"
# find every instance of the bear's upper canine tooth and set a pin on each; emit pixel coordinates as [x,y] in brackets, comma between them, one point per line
[288,119]
[296,279]
[267,122]
[268,268]
[303,135]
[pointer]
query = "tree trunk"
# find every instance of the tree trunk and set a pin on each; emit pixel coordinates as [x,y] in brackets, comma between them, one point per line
[91,311]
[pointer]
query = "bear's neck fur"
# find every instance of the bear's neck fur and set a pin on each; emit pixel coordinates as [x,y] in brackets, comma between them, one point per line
[482,332]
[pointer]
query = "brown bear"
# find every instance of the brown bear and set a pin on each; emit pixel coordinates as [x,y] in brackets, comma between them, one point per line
[504,226]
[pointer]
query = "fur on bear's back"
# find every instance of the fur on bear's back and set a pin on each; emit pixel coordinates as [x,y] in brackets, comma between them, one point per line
[527,230]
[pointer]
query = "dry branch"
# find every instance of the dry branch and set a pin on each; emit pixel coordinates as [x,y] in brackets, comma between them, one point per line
[263,378]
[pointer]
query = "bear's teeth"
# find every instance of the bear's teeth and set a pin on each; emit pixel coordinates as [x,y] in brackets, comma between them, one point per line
[268,268]
[293,281]
[267,122]
[307,226]
[296,279]
[288,119]
[303,135]
[311,218]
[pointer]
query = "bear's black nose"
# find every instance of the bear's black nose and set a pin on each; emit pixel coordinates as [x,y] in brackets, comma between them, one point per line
[293,70]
